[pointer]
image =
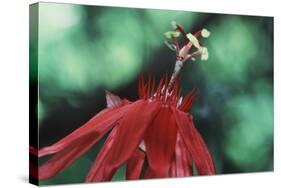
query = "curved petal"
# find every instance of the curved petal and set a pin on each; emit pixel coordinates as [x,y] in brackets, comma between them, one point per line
[130,132]
[64,158]
[97,126]
[96,172]
[77,143]
[134,165]
[194,143]
[128,135]
[182,164]
[160,139]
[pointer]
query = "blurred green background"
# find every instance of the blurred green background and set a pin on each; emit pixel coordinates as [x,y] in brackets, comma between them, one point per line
[84,50]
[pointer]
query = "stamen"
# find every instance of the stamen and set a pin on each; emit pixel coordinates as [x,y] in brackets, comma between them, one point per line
[193,40]
[171,46]
[205,54]
[181,30]
[172,34]
[178,66]
[205,33]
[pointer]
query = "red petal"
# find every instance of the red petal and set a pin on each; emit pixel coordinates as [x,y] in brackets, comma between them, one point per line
[194,143]
[160,139]
[77,143]
[149,173]
[64,158]
[173,170]
[183,161]
[96,172]
[129,133]
[134,165]
[97,126]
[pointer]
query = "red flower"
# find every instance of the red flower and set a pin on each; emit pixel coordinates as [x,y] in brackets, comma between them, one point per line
[156,128]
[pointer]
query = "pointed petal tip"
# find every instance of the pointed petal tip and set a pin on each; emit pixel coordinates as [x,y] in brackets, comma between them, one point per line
[112,100]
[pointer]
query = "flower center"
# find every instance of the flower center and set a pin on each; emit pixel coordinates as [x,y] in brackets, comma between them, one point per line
[162,93]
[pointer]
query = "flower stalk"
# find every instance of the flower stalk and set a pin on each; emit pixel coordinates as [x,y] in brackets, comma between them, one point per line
[183,54]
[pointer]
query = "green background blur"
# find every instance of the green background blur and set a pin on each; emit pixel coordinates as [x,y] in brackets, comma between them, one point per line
[83,50]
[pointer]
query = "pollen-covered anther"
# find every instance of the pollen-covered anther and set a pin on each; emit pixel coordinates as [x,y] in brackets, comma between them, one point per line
[193,40]
[201,49]
[205,33]
[171,34]
[204,53]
